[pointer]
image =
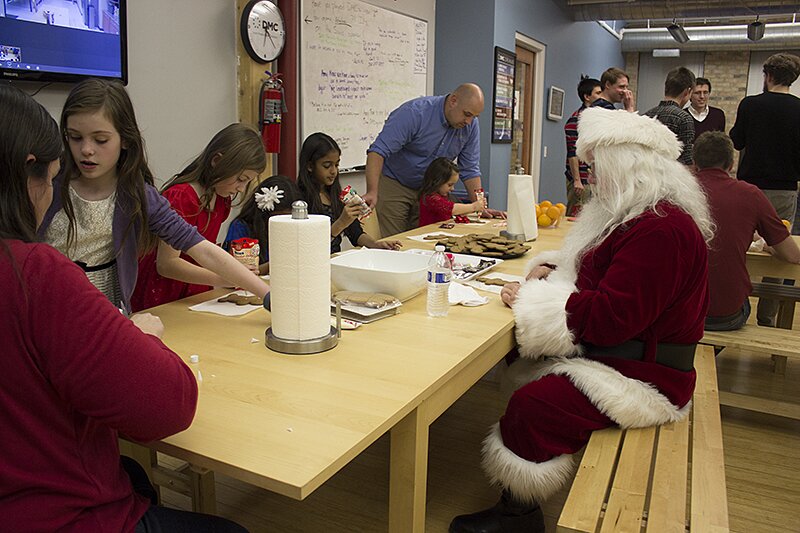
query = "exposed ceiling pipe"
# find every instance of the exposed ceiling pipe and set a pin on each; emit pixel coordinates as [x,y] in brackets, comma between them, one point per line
[776,37]
[585,10]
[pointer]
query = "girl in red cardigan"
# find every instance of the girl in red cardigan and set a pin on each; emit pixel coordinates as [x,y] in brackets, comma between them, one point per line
[434,202]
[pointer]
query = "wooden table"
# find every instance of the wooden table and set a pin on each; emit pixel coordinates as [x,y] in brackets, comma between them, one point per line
[763,264]
[289,423]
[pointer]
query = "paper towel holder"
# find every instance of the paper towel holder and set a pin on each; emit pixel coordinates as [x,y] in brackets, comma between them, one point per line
[514,236]
[309,346]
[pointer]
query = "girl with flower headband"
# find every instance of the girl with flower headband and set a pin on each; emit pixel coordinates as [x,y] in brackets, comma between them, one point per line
[274,196]
[318,179]
[202,194]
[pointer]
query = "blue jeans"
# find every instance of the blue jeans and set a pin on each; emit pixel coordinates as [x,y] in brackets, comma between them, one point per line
[731,322]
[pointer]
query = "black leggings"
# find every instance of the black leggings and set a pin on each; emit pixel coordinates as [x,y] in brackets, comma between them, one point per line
[164,520]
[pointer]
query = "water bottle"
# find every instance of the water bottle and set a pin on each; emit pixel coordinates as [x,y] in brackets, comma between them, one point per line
[440,271]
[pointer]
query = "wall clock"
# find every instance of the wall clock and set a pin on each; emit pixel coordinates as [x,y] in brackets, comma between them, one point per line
[263,31]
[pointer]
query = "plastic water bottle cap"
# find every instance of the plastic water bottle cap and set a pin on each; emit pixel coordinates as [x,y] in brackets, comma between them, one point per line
[439,248]
[194,358]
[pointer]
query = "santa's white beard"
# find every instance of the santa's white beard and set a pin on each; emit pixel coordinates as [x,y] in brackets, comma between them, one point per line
[594,223]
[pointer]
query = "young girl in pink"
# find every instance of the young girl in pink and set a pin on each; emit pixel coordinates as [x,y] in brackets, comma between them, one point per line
[434,202]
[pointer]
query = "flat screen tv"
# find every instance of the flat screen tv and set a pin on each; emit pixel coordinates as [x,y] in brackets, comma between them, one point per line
[63,40]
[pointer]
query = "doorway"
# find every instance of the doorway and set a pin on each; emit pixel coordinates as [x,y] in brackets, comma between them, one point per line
[529,98]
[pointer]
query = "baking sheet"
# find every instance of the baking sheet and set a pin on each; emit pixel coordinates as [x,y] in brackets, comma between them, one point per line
[226,308]
[494,288]
[460,261]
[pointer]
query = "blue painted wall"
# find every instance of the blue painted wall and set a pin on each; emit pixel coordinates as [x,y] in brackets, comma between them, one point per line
[467,32]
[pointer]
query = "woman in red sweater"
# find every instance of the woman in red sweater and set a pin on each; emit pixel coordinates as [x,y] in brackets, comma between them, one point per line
[76,373]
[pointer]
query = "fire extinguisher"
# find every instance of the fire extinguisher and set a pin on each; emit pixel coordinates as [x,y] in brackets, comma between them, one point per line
[271,107]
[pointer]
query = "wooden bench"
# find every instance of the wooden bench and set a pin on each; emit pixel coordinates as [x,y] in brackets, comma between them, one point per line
[638,479]
[780,343]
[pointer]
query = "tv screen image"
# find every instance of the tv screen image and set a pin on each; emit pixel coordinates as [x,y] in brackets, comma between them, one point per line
[63,40]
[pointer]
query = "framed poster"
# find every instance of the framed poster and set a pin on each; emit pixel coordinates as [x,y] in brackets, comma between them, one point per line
[555,105]
[503,109]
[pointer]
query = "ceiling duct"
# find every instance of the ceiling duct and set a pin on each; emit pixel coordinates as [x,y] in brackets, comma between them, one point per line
[589,10]
[776,37]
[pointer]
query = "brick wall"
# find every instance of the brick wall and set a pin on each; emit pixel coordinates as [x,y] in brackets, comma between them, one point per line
[727,72]
[632,68]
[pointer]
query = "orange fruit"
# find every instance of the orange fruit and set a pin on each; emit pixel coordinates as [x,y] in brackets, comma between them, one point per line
[538,210]
[553,212]
[786,223]
[544,220]
[546,203]
[562,207]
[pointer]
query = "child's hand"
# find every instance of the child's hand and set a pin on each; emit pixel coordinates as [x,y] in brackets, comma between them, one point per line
[477,206]
[389,245]
[149,324]
[350,212]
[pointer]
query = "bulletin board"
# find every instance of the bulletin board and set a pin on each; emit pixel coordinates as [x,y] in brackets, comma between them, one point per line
[505,64]
[358,62]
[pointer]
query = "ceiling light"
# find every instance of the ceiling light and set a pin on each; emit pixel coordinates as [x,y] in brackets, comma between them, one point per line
[667,52]
[755,30]
[677,32]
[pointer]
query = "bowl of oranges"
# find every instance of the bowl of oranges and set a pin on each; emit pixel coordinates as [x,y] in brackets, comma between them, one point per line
[548,214]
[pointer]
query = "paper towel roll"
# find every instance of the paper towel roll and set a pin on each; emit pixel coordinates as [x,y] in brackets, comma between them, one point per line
[521,211]
[300,276]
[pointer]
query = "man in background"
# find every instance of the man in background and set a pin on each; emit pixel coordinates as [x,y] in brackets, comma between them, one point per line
[767,132]
[738,208]
[415,134]
[577,172]
[614,85]
[677,90]
[706,118]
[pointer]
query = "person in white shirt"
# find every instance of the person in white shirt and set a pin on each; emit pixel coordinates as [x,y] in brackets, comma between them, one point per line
[706,118]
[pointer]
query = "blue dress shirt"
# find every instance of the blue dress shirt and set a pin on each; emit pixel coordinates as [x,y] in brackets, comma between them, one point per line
[416,133]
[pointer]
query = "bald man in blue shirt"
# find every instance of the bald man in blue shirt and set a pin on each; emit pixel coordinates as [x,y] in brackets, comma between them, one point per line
[415,134]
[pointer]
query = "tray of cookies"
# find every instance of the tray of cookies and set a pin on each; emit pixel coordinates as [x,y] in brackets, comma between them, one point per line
[481,244]
[465,267]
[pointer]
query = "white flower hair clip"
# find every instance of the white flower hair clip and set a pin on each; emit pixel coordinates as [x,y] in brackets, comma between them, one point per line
[269,198]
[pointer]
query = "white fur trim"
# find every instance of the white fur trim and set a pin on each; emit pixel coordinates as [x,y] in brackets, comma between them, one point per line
[541,318]
[628,402]
[528,481]
[603,127]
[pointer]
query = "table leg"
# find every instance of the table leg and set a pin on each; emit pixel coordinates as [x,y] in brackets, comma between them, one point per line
[408,474]
[204,492]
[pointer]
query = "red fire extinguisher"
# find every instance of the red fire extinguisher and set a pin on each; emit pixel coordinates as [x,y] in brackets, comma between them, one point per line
[270,109]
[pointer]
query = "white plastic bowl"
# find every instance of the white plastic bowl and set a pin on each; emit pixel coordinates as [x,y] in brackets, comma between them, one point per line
[387,271]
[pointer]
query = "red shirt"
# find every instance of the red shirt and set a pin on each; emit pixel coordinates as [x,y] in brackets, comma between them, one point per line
[152,289]
[435,208]
[739,209]
[76,374]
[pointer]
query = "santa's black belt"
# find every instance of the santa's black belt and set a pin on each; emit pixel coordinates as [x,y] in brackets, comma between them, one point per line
[677,356]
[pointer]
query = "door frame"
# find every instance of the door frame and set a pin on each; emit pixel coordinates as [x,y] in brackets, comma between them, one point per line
[536,105]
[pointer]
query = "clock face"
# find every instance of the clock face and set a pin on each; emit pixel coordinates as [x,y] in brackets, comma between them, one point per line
[263,31]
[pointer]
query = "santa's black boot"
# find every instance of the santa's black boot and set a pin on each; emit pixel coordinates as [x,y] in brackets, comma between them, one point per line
[508,516]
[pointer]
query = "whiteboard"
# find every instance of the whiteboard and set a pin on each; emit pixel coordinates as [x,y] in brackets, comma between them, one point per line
[358,62]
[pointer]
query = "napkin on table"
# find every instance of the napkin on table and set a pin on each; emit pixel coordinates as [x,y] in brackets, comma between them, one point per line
[467,296]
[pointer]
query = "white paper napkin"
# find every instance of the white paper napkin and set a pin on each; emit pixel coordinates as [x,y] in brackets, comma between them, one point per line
[225,308]
[461,294]
[494,288]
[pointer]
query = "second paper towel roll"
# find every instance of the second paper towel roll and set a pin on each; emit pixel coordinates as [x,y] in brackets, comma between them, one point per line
[521,210]
[300,276]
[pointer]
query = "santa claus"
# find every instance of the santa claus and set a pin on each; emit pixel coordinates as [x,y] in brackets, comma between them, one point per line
[607,325]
